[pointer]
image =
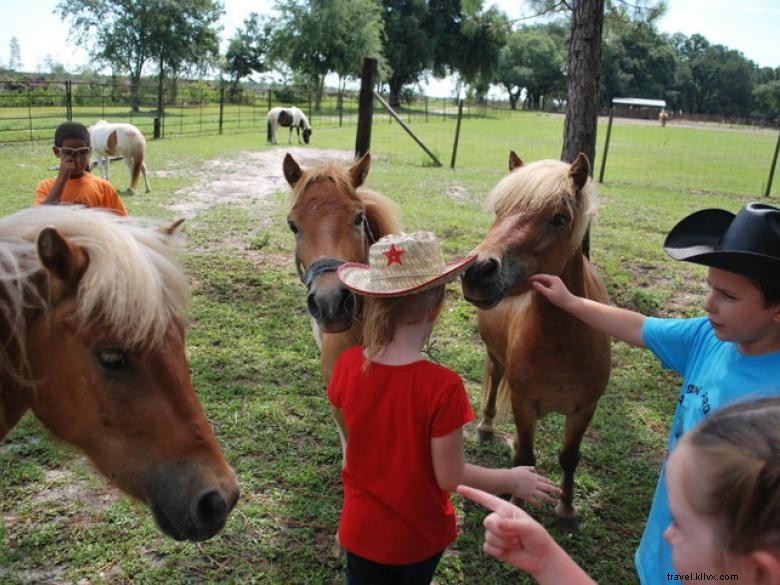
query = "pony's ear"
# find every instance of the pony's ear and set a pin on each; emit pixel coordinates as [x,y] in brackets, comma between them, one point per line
[359,171]
[580,170]
[171,229]
[292,170]
[63,259]
[515,162]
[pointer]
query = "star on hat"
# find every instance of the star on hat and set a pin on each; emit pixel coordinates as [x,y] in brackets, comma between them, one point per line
[394,255]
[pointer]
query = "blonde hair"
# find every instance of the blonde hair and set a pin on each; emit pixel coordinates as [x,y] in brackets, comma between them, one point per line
[383,315]
[738,456]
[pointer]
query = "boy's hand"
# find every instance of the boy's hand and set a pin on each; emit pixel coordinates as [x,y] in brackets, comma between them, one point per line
[67,165]
[552,288]
[511,535]
[532,487]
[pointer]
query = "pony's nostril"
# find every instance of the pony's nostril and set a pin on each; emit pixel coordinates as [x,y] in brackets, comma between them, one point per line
[486,270]
[314,309]
[348,302]
[212,510]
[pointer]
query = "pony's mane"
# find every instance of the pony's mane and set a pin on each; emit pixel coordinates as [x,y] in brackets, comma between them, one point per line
[133,282]
[380,210]
[544,185]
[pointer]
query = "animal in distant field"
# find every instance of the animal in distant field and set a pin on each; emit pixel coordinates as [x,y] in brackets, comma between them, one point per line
[123,140]
[663,117]
[545,358]
[290,118]
[92,342]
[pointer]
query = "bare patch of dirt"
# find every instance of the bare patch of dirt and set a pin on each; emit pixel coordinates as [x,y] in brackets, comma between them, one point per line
[247,180]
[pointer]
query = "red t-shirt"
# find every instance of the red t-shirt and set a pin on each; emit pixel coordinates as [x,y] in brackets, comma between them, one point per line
[394,511]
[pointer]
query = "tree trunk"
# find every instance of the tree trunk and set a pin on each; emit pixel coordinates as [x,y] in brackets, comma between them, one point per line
[135,91]
[582,83]
[396,85]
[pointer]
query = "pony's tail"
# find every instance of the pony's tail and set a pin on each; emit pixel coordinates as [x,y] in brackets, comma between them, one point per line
[137,164]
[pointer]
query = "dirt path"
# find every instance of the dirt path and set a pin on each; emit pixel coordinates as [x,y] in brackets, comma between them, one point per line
[247,180]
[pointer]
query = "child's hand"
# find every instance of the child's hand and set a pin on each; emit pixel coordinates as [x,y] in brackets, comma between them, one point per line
[511,535]
[532,487]
[67,165]
[552,288]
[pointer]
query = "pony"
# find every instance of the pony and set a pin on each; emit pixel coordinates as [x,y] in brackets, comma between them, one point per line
[92,342]
[290,118]
[124,140]
[545,359]
[334,220]
[663,117]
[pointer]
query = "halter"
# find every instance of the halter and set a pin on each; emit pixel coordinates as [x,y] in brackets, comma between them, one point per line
[324,265]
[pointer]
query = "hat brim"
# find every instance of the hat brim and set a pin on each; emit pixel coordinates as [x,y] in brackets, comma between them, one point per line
[695,239]
[356,277]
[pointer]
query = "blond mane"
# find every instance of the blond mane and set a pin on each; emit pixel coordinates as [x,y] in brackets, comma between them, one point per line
[133,282]
[541,186]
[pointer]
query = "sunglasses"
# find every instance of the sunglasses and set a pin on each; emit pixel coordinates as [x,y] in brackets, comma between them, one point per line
[73,152]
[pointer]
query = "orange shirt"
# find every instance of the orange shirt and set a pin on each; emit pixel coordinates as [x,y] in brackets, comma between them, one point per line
[87,190]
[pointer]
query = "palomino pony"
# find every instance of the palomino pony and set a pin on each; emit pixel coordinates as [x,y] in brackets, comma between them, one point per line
[123,140]
[663,117]
[548,360]
[92,341]
[334,221]
[290,118]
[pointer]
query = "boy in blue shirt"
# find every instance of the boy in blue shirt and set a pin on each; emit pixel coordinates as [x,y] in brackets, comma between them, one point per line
[732,352]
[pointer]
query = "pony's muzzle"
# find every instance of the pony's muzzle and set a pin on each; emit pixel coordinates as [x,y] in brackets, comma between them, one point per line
[333,311]
[211,511]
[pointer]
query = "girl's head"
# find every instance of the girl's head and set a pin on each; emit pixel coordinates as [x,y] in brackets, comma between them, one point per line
[723,481]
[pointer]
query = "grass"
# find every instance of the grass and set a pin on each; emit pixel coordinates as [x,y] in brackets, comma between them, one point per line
[255,366]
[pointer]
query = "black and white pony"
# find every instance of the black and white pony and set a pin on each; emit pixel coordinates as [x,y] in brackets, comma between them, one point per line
[289,118]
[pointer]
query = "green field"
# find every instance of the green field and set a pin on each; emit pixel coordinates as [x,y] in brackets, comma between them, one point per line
[255,365]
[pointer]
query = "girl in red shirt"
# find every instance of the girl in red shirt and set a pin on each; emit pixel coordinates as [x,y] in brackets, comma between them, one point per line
[405,417]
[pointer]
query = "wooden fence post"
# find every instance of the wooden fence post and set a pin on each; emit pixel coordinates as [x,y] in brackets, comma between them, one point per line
[457,134]
[221,104]
[772,168]
[606,145]
[365,107]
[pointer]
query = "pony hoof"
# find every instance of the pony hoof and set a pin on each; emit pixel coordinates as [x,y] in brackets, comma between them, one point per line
[566,518]
[485,435]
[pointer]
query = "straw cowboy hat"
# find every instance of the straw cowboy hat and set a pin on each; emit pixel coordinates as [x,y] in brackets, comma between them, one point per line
[401,264]
[747,243]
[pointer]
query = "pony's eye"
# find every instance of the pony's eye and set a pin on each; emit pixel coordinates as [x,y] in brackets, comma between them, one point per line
[293,227]
[112,359]
[359,219]
[558,220]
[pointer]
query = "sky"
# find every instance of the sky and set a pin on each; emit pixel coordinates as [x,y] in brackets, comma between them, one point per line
[749,26]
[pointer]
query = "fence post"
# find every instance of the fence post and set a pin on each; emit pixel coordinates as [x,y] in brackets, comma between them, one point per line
[341,106]
[270,97]
[426,108]
[606,145]
[457,134]
[156,131]
[221,104]
[29,111]
[772,168]
[68,101]
[365,107]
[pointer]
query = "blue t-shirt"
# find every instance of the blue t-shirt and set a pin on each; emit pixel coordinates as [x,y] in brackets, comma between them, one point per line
[715,374]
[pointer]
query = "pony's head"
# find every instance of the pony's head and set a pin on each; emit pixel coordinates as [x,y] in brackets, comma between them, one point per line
[542,211]
[306,135]
[333,222]
[93,320]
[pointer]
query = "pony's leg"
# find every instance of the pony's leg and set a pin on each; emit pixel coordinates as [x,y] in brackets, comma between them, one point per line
[569,457]
[525,425]
[106,163]
[146,181]
[289,141]
[490,381]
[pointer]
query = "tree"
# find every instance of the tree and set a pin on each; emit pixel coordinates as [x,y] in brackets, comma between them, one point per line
[128,34]
[767,100]
[247,50]
[318,37]
[482,37]
[534,61]
[15,58]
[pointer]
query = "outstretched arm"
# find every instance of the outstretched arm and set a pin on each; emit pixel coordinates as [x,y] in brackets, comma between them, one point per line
[511,535]
[620,323]
[55,193]
[450,470]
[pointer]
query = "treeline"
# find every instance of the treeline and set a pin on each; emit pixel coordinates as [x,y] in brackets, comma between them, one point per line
[306,40]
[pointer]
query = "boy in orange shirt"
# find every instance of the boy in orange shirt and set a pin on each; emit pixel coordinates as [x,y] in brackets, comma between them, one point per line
[74,183]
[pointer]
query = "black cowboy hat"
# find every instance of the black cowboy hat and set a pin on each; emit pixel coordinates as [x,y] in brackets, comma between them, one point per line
[747,243]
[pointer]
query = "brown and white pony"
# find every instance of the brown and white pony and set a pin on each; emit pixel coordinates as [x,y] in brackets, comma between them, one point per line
[92,341]
[291,118]
[334,220]
[123,140]
[546,359]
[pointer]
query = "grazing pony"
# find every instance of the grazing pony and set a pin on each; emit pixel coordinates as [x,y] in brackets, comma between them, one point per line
[334,221]
[123,140]
[546,359]
[290,118]
[92,341]
[663,117]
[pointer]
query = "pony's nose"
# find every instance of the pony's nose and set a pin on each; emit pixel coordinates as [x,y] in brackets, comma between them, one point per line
[482,271]
[211,511]
[333,307]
